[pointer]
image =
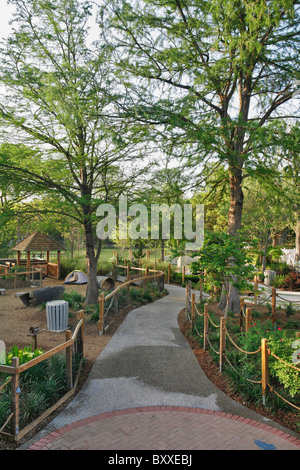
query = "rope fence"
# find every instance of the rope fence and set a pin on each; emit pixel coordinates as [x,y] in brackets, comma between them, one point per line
[193,312]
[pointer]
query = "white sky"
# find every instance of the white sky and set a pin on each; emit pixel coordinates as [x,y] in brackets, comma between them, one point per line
[6,11]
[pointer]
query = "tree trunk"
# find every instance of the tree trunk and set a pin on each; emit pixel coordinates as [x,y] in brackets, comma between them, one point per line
[91,262]
[297,233]
[236,200]
[234,224]
[163,250]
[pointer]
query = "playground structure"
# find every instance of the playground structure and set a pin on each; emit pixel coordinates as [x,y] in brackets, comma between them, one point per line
[37,244]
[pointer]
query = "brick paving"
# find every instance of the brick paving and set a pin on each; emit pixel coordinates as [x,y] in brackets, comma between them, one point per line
[166,428]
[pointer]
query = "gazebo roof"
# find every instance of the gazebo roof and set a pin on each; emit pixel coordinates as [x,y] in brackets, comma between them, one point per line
[38,242]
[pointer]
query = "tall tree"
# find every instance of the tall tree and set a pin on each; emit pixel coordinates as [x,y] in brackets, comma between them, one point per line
[59,103]
[212,75]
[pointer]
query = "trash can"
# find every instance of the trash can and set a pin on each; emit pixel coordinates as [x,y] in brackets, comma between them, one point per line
[57,312]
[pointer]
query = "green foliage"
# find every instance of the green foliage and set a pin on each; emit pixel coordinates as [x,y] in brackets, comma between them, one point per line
[284,378]
[74,298]
[289,310]
[139,254]
[281,346]
[226,258]
[41,385]
[279,280]
[24,354]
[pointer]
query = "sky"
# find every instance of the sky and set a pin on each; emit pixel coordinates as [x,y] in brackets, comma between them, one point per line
[5,16]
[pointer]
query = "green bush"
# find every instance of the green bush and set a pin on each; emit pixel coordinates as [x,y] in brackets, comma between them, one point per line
[289,310]
[74,298]
[281,346]
[278,281]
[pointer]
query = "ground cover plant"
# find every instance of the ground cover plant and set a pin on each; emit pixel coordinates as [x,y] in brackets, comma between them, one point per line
[40,386]
[244,370]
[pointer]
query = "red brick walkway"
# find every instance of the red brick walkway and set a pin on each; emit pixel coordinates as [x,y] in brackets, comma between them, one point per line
[166,428]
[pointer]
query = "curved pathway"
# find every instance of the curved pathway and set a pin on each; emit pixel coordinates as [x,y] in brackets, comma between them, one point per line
[147,391]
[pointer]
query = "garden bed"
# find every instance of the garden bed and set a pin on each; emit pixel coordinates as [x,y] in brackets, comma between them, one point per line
[261,315]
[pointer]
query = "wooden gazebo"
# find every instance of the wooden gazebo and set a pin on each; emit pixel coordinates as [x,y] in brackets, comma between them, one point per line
[40,243]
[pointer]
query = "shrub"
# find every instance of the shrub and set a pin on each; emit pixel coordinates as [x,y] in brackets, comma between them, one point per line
[278,280]
[74,298]
[281,346]
[289,310]
[292,281]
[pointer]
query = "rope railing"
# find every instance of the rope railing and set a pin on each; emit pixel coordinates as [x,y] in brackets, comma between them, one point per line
[222,354]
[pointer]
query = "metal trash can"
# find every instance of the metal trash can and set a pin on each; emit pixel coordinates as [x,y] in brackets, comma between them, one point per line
[57,312]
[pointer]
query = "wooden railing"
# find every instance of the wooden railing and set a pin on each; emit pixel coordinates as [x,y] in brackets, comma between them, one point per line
[158,275]
[73,344]
[29,275]
[52,270]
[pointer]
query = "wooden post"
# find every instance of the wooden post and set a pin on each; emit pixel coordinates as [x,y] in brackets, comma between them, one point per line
[18,258]
[116,302]
[41,277]
[145,281]
[128,294]
[15,393]
[205,342]
[15,280]
[58,265]
[169,273]
[69,361]
[28,261]
[242,304]
[80,316]
[193,311]
[186,302]
[147,254]
[101,313]
[255,289]
[128,272]
[113,253]
[273,307]
[264,368]
[215,293]
[200,289]
[183,275]
[248,319]
[47,261]
[222,340]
